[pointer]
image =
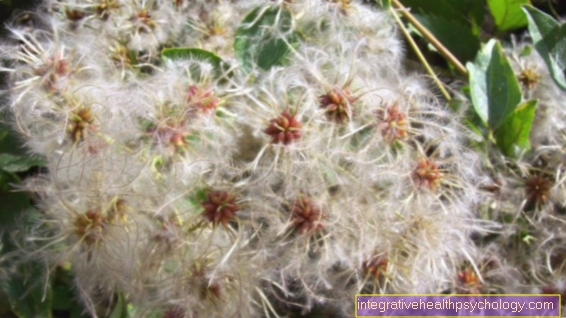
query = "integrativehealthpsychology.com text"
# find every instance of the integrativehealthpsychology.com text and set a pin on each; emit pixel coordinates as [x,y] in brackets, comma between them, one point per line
[458,305]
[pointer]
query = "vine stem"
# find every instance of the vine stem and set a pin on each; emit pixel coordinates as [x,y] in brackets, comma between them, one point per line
[421,56]
[431,38]
[556,15]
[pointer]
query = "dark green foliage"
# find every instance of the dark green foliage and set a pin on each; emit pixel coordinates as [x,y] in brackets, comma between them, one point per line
[550,42]
[264,38]
[454,23]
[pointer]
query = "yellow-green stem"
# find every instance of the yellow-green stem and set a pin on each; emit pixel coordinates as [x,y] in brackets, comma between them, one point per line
[421,57]
[431,38]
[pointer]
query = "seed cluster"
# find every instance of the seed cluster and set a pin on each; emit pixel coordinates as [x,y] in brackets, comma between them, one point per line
[338,104]
[80,121]
[306,216]
[376,267]
[392,123]
[220,207]
[226,182]
[427,174]
[284,129]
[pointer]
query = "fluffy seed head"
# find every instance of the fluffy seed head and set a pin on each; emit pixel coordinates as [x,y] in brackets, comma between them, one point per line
[105,8]
[537,189]
[90,226]
[144,18]
[468,282]
[426,174]
[375,267]
[393,123]
[284,129]
[117,211]
[306,216]
[220,207]
[121,55]
[337,104]
[52,70]
[170,132]
[80,120]
[529,78]
[200,99]
[74,15]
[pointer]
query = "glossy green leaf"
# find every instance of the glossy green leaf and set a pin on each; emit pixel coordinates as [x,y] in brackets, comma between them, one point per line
[264,38]
[13,163]
[507,14]
[513,136]
[494,88]
[549,39]
[504,91]
[455,24]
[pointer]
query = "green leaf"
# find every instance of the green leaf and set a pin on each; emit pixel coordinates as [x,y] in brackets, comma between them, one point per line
[495,90]
[507,14]
[264,37]
[13,163]
[526,51]
[504,92]
[195,54]
[191,54]
[513,135]
[6,2]
[198,196]
[28,297]
[10,140]
[549,39]
[456,24]
[62,298]
[384,4]
[120,309]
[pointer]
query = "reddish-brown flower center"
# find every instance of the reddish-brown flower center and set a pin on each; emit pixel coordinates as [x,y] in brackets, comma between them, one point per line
[376,266]
[469,282]
[145,18]
[306,216]
[338,104]
[170,132]
[220,207]
[537,189]
[426,174]
[200,99]
[284,129]
[393,125]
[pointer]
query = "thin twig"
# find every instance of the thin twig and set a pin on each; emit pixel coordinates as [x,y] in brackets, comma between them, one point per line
[421,57]
[431,38]
[551,7]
